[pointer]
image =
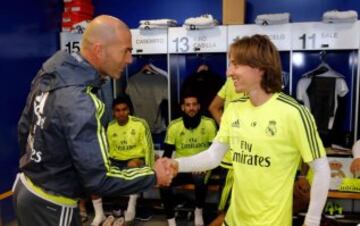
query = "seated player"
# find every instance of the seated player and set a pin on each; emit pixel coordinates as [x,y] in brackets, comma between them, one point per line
[188,135]
[218,105]
[130,145]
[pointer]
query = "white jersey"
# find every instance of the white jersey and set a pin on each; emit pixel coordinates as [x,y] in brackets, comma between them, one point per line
[341,89]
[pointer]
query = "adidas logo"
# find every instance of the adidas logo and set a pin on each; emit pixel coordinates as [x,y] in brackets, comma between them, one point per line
[236,124]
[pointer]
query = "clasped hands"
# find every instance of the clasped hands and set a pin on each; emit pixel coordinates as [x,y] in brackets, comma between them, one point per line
[165,169]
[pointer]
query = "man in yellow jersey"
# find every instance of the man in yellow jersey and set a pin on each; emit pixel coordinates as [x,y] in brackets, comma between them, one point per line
[188,135]
[226,94]
[130,145]
[267,132]
[61,132]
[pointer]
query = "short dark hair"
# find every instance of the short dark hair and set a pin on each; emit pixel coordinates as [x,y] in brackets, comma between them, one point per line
[123,99]
[258,51]
[188,94]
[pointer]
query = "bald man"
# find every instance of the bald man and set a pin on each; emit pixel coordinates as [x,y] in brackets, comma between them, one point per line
[63,145]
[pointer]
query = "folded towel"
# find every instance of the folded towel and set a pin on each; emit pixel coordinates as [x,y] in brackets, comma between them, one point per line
[198,27]
[272,19]
[206,19]
[152,27]
[335,16]
[161,22]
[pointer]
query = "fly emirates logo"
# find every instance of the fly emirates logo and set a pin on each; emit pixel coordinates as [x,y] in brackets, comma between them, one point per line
[245,156]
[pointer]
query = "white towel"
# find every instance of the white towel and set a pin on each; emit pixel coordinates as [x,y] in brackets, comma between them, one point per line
[206,19]
[335,16]
[271,19]
[160,22]
[152,27]
[198,27]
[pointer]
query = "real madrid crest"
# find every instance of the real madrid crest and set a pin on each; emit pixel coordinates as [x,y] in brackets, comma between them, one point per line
[271,128]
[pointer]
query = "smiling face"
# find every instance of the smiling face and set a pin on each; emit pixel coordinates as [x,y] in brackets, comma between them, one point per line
[246,78]
[255,64]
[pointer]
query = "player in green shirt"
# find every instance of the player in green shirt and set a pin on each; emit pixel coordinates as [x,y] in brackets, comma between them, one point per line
[188,135]
[267,132]
[225,95]
[130,145]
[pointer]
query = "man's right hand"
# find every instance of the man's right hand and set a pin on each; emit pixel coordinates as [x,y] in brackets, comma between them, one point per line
[165,170]
[172,166]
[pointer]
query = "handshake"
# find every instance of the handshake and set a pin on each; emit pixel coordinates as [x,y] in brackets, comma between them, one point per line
[165,169]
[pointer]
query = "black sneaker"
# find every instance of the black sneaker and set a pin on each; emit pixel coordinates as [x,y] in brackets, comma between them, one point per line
[143,215]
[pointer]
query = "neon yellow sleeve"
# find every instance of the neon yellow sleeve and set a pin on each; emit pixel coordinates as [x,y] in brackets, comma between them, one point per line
[223,134]
[211,130]
[170,134]
[110,139]
[222,91]
[306,137]
[148,145]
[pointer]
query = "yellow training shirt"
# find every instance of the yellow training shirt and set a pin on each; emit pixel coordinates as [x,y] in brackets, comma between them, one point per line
[266,144]
[132,140]
[228,94]
[190,142]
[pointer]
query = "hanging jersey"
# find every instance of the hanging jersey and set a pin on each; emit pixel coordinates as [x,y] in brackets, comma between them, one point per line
[228,94]
[148,92]
[130,141]
[266,144]
[190,142]
[322,100]
[308,90]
